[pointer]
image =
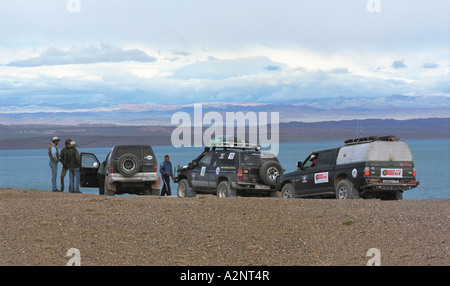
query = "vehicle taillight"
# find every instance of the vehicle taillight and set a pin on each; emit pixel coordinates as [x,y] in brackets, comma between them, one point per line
[414,172]
[111,169]
[156,168]
[240,174]
[366,171]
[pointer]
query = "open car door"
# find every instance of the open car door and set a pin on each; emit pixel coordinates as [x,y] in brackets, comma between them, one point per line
[89,169]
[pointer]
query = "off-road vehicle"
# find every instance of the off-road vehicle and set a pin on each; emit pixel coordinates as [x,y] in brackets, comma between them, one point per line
[229,169]
[129,169]
[364,167]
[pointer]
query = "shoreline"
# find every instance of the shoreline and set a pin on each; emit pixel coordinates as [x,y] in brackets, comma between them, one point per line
[39,227]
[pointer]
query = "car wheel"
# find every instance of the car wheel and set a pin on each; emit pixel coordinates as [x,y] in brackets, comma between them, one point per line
[108,192]
[224,190]
[346,190]
[288,191]
[183,189]
[269,172]
[128,164]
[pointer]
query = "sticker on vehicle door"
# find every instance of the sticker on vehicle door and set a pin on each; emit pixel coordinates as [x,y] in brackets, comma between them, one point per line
[320,178]
[391,173]
[202,171]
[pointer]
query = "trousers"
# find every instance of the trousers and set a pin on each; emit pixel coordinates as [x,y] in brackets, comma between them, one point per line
[54,168]
[74,180]
[166,186]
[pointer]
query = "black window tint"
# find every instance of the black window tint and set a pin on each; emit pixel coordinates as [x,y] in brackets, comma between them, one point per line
[326,158]
[136,150]
[148,154]
[227,158]
[255,158]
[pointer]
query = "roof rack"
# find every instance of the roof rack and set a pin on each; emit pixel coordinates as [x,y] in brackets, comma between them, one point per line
[232,142]
[371,139]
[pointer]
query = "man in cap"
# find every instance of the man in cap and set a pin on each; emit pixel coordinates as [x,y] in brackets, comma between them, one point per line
[74,165]
[63,160]
[53,154]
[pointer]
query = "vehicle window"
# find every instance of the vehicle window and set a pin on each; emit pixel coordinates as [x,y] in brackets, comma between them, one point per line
[136,150]
[205,160]
[309,162]
[255,158]
[88,161]
[227,158]
[148,154]
[326,158]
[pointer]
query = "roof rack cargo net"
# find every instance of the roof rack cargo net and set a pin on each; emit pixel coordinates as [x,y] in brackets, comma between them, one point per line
[232,142]
[371,139]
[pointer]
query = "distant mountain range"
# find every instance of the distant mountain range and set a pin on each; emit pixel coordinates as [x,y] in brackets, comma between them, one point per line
[37,136]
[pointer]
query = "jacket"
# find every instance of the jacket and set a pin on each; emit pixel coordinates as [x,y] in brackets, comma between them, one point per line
[166,167]
[53,153]
[72,158]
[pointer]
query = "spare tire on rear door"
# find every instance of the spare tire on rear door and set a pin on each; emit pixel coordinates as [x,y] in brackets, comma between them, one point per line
[269,172]
[128,164]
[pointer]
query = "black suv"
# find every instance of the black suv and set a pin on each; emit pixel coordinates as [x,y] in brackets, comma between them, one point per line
[229,171]
[366,167]
[129,169]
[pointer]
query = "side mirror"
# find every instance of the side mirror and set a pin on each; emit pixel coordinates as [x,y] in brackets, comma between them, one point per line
[95,165]
[299,165]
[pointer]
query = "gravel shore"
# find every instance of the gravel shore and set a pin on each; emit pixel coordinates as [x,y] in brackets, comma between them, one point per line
[39,227]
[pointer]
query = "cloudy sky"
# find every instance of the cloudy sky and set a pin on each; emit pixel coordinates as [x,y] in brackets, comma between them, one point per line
[72,55]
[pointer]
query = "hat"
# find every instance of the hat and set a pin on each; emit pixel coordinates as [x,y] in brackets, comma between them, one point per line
[68,140]
[73,143]
[55,139]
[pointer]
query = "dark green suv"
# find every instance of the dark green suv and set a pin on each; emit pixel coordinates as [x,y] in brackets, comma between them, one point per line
[367,167]
[129,169]
[228,172]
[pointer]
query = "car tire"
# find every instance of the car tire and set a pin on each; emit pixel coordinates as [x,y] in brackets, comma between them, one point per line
[108,192]
[128,164]
[224,190]
[346,190]
[269,172]
[183,189]
[288,191]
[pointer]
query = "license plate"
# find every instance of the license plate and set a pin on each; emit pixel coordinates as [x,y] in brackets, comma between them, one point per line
[390,181]
[262,187]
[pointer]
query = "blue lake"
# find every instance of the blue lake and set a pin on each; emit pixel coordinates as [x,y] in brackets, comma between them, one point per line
[28,169]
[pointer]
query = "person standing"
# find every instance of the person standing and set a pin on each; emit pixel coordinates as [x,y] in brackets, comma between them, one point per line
[101,174]
[53,154]
[74,165]
[62,159]
[166,172]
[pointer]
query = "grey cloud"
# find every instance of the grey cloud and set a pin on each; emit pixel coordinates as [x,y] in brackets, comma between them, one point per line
[84,55]
[430,66]
[398,64]
[273,68]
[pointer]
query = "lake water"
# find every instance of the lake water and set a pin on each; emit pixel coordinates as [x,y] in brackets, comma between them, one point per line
[28,169]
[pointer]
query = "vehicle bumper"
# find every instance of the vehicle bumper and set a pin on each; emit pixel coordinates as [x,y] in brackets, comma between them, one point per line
[252,187]
[137,178]
[401,186]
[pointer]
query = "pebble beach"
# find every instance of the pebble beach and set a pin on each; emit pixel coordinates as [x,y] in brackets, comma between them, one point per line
[39,227]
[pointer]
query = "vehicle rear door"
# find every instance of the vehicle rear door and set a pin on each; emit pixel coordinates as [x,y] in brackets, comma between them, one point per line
[88,171]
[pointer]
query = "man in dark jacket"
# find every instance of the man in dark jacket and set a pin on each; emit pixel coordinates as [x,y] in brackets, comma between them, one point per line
[166,172]
[62,159]
[74,165]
